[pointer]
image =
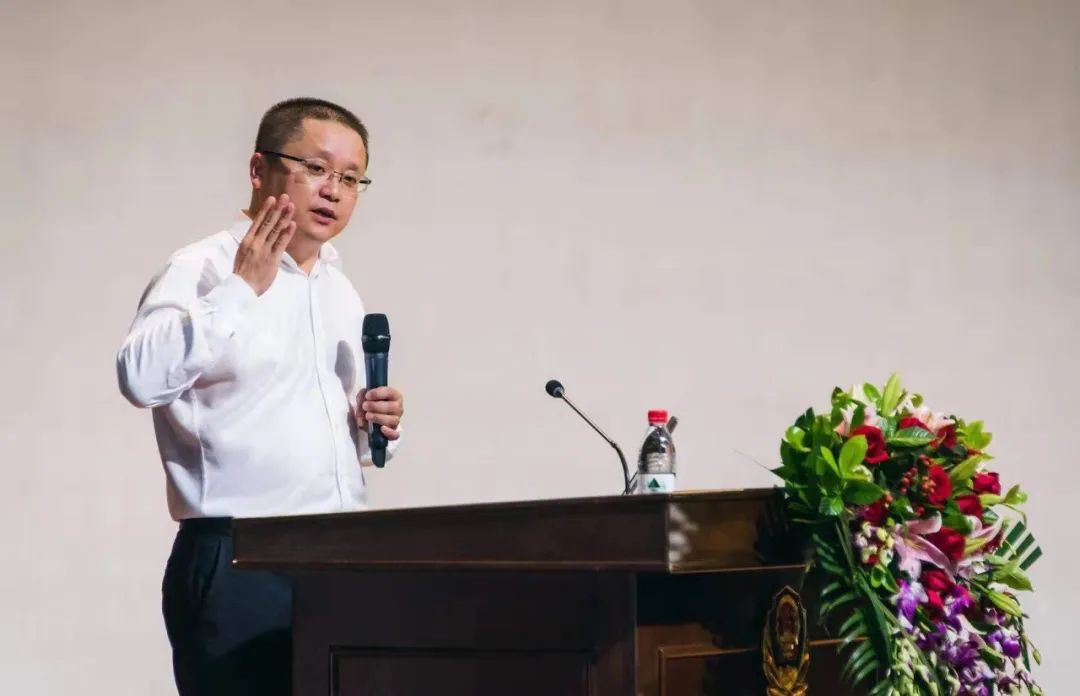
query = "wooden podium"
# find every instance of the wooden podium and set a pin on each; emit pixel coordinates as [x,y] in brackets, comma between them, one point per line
[659,594]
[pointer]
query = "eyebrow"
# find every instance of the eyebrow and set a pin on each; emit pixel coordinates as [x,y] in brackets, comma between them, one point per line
[323,154]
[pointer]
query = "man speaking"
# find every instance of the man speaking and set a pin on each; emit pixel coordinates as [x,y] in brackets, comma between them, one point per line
[246,346]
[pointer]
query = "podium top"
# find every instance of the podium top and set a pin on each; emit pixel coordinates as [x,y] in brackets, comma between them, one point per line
[699,531]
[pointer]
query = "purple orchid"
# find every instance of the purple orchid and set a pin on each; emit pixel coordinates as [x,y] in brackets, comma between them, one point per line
[1004,641]
[907,600]
[959,601]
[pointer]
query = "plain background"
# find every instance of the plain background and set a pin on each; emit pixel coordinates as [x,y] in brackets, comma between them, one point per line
[719,208]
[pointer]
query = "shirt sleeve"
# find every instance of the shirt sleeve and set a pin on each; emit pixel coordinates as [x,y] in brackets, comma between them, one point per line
[178,332]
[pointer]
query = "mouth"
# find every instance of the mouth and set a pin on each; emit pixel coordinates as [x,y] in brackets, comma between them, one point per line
[323,216]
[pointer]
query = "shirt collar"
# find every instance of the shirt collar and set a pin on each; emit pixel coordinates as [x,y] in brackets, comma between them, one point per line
[327,253]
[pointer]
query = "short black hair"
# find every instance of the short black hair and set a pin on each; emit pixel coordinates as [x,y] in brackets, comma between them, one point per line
[285,120]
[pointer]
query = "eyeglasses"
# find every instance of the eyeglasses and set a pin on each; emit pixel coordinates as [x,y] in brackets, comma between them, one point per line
[317,171]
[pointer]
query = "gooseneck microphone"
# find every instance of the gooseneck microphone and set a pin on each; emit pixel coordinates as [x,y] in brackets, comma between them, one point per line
[555,389]
[376,341]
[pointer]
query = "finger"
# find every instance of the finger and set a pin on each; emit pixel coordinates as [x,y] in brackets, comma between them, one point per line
[268,224]
[282,223]
[390,433]
[383,394]
[264,209]
[271,220]
[282,240]
[358,406]
[391,407]
[383,419]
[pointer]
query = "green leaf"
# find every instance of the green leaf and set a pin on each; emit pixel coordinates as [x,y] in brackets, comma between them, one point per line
[1014,496]
[853,626]
[829,607]
[852,455]
[887,427]
[862,492]
[865,672]
[872,393]
[1016,532]
[1035,555]
[831,506]
[862,656]
[1005,603]
[879,576]
[858,417]
[827,455]
[973,437]
[993,658]
[958,522]
[973,545]
[1015,579]
[911,437]
[962,472]
[884,688]
[795,437]
[891,398]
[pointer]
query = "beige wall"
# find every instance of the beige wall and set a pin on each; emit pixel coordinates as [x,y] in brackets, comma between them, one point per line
[720,208]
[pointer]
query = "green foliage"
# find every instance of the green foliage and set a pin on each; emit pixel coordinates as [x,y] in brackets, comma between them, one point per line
[827,481]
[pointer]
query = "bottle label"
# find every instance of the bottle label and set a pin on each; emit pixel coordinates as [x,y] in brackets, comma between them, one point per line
[657,462]
[656,483]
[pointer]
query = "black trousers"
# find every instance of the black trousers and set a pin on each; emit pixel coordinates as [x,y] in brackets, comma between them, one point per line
[230,629]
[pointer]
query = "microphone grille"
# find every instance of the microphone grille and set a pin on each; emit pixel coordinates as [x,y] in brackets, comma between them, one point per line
[376,333]
[376,325]
[554,388]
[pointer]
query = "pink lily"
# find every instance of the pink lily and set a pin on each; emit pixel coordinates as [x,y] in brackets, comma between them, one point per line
[913,549]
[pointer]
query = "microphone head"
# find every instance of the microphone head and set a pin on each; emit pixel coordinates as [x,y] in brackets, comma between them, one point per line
[376,333]
[554,388]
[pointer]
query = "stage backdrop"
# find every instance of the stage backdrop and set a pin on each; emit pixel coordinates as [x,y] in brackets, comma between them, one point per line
[719,208]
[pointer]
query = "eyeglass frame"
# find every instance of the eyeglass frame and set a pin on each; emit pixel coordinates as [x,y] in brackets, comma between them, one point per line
[362,182]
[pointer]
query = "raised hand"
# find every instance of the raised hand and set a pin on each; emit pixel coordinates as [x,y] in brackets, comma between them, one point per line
[260,252]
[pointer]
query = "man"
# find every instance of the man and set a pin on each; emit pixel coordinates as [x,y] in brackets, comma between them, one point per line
[246,347]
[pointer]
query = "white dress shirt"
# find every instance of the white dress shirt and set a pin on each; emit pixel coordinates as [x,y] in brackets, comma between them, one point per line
[252,395]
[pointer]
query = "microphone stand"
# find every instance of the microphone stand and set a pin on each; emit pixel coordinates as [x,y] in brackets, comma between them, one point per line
[622,459]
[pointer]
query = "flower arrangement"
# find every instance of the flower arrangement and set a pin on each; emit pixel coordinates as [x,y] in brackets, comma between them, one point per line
[921,561]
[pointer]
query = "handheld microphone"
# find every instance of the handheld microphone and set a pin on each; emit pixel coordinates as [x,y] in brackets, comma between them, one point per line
[555,389]
[376,341]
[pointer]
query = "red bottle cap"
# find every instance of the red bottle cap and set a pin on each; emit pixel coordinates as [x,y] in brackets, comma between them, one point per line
[657,417]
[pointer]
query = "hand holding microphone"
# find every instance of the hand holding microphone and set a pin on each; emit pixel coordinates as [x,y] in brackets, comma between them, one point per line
[379,407]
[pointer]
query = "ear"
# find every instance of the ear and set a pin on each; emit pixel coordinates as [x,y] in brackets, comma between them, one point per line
[257,171]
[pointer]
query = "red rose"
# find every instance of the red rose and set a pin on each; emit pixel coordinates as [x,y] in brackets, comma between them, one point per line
[876,512]
[936,580]
[911,422]
[935,605]
[940,486]
[950,541]
[875,443]
[947,437]
[994,543]
[986,482]
[970,505]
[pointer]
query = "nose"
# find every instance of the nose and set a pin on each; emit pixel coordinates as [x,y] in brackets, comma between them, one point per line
[329,188]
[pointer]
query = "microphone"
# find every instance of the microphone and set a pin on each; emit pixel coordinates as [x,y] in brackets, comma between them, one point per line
[555,389]
[375,338]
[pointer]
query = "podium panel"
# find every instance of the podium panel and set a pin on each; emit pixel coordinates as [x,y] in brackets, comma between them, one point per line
[660,595]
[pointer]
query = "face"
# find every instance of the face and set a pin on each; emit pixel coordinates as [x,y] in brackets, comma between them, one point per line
[324,206]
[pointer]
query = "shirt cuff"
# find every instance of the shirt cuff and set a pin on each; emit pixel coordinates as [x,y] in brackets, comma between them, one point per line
[229,300]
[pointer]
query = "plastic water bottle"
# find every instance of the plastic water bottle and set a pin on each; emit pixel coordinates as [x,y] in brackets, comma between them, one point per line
[656,462]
